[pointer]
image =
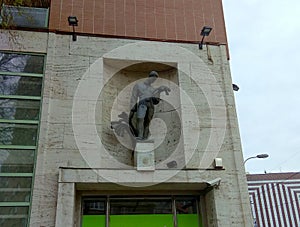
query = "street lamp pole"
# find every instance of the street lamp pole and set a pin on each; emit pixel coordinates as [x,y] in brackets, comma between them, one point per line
[257,156]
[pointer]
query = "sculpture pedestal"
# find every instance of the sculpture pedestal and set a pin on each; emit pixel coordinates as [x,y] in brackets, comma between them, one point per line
[144,155]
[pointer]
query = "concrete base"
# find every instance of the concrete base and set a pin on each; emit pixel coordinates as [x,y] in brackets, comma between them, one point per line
[144,155]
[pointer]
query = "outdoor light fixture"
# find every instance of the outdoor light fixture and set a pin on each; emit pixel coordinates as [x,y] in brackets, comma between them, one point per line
[204,32]
[218,163]
[235,87]
[257,156]
[73,21]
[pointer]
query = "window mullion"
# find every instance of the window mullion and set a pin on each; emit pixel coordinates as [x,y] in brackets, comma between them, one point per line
[20,97]
[4,73]
[16,174]
[31,122]
[107,224]
[17,147]
[14,204]
[174,211]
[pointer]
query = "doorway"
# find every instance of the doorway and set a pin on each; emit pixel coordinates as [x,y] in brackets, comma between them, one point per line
[162,211]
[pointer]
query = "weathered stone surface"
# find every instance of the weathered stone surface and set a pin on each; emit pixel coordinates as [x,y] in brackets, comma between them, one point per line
[144,156]
[88,83]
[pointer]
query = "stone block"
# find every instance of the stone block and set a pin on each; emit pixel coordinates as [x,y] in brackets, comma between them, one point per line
[144,155]
[23,41]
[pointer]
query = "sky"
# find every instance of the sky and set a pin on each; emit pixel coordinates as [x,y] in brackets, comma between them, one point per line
[264,45]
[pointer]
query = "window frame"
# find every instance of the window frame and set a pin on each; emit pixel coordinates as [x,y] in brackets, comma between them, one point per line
[11,10]
[173,198]
[25,122]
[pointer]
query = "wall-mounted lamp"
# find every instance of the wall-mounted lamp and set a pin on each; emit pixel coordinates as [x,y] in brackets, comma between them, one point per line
[204,32]
[73,21]
[235,87]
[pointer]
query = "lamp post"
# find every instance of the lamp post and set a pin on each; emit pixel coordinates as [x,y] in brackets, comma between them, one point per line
[257,156]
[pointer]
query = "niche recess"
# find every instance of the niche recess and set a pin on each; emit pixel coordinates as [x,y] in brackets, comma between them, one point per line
[119,77]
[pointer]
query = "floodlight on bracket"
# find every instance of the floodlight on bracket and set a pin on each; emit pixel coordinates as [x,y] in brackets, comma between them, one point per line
[73,21]
[204,32]
[235,87]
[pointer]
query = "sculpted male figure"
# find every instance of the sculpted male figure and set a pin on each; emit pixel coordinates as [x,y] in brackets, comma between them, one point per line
[143,99]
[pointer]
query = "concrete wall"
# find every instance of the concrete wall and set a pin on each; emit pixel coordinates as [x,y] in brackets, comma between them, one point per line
[88,82]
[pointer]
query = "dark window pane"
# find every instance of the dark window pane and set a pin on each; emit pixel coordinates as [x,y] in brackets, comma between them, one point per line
[8,168]
[15,182]
[14,210]
[18,109]
[14,222]
[15,195]
[16,161]
[28,17]
[94,207]
[11,62]
[18,134]
[141,206]
[20,85]
[186,206]
[187,215]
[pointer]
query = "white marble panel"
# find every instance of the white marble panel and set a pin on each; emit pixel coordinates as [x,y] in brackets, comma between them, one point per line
[65,205]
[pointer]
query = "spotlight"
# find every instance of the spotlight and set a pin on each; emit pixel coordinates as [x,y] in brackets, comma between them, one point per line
[204,32]
[235,87]
[73,21]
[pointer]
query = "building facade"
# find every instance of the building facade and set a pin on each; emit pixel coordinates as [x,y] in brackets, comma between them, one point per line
[275,198]
[62,161]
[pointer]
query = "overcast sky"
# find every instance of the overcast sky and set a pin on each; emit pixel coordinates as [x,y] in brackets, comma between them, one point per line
[264,42]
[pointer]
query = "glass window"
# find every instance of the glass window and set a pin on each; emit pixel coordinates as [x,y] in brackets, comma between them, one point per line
[25,16]
[21,214]
[15,195]
[94,207]
[20,85]
[186,206]
[187,212]
[15,182]
[19,109]
[141,206]
[151,211]
[21,63]
[18,134]
[16,161]
[18,222]
[133,211]
[14,210]
[15,189]
[94,212]
[21,78]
